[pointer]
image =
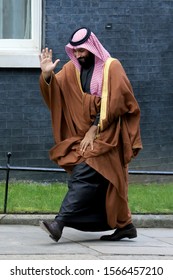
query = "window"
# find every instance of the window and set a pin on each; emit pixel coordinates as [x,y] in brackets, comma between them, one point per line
[20,32]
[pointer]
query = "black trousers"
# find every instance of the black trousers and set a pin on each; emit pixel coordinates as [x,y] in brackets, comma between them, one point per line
[83,207]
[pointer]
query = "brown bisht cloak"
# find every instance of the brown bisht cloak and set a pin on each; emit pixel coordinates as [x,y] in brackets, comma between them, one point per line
[118,139]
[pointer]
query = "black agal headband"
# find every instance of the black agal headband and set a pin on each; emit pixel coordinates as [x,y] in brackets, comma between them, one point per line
[84,39]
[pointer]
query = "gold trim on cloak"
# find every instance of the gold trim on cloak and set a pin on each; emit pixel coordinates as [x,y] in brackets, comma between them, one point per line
[104,98]
[78,79]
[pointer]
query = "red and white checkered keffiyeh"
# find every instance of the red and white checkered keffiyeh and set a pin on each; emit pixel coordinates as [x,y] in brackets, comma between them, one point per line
[94,46]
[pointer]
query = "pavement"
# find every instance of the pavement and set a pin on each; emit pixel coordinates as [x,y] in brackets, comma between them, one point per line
[22,238]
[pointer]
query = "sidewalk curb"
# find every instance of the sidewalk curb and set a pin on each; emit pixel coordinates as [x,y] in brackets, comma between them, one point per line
[140,221]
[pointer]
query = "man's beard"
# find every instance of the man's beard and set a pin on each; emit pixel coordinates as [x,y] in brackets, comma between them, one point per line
[86,61]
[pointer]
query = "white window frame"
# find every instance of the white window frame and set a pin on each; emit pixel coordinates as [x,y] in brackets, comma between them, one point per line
[24,53]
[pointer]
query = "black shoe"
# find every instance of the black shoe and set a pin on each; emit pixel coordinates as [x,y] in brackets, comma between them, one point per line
[128,231]
[53,229]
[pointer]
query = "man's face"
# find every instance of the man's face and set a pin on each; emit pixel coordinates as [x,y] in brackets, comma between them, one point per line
[85,58]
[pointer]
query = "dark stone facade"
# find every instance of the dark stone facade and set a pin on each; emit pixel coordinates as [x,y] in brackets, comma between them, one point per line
[139,34]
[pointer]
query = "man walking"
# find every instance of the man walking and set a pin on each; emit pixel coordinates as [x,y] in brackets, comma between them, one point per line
[95,121]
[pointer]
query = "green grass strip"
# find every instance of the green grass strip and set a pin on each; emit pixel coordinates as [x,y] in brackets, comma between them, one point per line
[35,197]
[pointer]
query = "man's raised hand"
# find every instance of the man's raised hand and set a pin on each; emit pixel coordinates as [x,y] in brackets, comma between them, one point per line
[46,63]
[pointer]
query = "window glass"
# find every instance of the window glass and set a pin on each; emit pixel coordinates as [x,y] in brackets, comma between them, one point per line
[15,20]
[20,33]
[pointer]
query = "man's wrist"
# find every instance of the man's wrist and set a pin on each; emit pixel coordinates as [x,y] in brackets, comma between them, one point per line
[47,75]
[93,128]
